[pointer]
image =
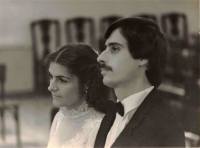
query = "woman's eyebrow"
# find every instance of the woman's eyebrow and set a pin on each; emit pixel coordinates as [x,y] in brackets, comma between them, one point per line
[60,76]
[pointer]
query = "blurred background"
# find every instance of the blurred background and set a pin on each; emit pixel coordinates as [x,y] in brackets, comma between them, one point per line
[30,29]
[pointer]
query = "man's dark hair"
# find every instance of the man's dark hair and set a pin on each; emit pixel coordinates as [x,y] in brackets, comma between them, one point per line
[145,41]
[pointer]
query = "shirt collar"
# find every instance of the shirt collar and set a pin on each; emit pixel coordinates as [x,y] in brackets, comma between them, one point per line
[135,100]
[82,110]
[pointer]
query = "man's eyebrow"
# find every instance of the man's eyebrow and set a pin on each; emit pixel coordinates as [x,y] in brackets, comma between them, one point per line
[114,43]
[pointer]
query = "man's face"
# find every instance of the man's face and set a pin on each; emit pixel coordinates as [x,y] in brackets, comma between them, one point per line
[118,66]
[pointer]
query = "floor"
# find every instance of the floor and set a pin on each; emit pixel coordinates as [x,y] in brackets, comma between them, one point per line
[34,116]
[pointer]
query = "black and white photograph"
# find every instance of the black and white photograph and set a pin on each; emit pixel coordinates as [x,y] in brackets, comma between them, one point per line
[99,73]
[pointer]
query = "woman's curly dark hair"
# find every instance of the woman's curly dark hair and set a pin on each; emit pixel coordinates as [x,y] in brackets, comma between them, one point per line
[81,60]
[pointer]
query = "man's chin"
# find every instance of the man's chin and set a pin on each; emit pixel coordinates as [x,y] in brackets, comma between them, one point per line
[107,82]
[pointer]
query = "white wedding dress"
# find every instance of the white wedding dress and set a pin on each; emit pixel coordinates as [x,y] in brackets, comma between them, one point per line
[75,128]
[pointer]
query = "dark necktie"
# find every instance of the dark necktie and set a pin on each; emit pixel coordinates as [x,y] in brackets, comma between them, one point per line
[120,108]
[107,122]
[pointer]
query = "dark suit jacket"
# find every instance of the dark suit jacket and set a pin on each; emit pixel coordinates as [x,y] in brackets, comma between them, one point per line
[152,125]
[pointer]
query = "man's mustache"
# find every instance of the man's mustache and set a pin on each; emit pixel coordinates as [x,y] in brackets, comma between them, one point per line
[105,67]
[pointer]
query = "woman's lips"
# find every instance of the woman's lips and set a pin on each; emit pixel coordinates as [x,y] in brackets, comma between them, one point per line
[56,96]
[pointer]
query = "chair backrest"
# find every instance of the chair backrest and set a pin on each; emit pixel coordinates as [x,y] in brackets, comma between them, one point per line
[2,81]
[149,16]
[104,23]
[80,29]
[41,51]
[175,26]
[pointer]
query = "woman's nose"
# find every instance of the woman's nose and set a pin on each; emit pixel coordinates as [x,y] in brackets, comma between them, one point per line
[52,86]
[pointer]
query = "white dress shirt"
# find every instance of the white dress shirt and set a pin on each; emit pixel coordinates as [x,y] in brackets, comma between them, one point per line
[130,105]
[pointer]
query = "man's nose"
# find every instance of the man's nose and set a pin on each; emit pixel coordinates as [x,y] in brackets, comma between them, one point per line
[52,86]
[102,58]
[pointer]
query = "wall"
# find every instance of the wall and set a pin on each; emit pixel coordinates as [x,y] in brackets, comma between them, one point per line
[16,16]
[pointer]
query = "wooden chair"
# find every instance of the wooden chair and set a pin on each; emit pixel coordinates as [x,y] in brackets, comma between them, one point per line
[192,140]
[104,23]
[80,29]
[148,16]
[45,35]
[175,27]
[12,108]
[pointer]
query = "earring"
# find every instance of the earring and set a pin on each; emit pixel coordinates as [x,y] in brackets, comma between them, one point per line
[86,90]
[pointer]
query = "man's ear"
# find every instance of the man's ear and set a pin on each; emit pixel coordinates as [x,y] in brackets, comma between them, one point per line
[143,62]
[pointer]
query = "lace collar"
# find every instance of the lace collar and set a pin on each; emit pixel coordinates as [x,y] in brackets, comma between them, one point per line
[82,110]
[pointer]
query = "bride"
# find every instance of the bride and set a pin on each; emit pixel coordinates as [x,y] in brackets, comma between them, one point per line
[77,89]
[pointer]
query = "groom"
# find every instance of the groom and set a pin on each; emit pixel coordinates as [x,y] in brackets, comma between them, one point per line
[133,64]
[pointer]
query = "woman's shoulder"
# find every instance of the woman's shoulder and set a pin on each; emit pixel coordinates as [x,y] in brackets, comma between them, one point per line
[93,121]
[94,114]
[59,115]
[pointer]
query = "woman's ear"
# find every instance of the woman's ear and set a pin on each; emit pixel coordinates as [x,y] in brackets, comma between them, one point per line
[143,62]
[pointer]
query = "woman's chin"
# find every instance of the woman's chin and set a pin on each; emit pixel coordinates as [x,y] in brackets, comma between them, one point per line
[57,104]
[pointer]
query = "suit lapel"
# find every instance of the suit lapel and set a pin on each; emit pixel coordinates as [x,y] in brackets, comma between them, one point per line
[106,124]
[138,116]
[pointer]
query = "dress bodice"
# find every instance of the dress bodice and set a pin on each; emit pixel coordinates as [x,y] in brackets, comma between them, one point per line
[75,128]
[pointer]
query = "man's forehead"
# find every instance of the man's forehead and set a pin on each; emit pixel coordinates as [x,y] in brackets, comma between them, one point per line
[116,37]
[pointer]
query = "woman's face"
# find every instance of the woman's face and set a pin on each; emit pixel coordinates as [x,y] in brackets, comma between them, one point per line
[64,87]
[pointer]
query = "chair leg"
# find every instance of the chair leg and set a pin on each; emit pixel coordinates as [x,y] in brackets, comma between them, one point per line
[17,126]
[2,123]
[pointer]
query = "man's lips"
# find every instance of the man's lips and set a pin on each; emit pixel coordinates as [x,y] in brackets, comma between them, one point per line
[105,70]
[104,67]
